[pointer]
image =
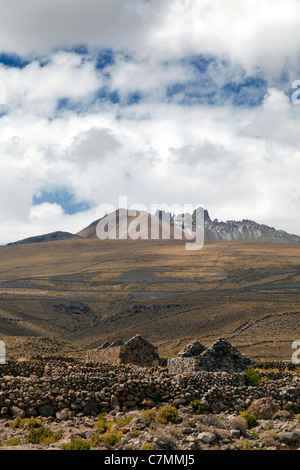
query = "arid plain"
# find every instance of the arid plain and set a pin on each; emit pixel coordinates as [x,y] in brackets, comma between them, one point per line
[68,296]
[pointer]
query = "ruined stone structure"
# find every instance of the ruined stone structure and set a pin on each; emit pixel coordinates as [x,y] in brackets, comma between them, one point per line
[137,351]
[222,356]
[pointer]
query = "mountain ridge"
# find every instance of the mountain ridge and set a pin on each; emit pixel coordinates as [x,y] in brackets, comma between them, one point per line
[170,226]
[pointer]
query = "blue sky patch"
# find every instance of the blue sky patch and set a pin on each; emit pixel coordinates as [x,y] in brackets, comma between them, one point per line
[62,197]
[104,58]
[13,61]
[250,92]
[200,62]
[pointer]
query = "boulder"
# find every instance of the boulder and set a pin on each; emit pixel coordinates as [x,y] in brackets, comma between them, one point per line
[263,408]
[207,437]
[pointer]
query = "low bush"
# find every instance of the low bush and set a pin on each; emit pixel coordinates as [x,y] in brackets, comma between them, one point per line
[44,436]
[76,444]
[147,416]
[250,418]
[121,421]
[191,423]
[252,377]
[147,447]
[26,423]
[14,441]
[197,406]
[112,438]
[167,414]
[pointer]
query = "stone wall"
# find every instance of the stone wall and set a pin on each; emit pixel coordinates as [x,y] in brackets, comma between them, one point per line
[63,389]
[110,355]
[136,351]
[222,356]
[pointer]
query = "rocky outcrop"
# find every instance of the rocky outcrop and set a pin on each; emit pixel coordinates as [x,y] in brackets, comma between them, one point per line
[243,230]
[246,230]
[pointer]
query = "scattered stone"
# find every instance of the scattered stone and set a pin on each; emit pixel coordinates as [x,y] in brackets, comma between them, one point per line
[289,437]
[206,437]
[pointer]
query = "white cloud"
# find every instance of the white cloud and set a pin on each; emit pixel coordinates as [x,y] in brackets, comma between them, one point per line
[38,88]
[35,27]
[241,162]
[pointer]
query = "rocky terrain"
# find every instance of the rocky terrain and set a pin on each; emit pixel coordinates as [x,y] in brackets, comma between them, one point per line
[57,402]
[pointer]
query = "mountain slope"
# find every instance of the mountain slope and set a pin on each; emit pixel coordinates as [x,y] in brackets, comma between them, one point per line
[121,225]
[48,237]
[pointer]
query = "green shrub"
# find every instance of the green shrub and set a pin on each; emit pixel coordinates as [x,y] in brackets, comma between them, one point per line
[197,406]
[250,418]
[26,423]
[96,440]
[134,433]
[41,435]
[191,423]
[101,426]
[147,416]
[76,444]
[14,441]
[246,445]
[147,447]
[110,439]
[121,421]
[167,414]
[252,377]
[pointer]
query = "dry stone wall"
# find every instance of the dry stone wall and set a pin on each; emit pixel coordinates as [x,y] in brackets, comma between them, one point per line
[63,389]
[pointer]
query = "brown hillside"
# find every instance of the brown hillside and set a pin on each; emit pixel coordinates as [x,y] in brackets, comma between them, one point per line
[88,291]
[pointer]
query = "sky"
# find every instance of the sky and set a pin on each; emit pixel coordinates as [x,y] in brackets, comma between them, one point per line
[161,101]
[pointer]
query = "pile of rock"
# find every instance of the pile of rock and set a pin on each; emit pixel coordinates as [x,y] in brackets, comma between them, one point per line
[222,356]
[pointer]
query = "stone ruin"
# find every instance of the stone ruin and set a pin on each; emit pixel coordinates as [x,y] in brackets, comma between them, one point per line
[137,351]
[222,356]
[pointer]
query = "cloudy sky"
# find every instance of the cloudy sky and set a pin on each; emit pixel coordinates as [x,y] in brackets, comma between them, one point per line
[164,101]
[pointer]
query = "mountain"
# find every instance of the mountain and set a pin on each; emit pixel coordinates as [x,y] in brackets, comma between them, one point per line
[245,230]
[214,230]
[120,224]
[48,237]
